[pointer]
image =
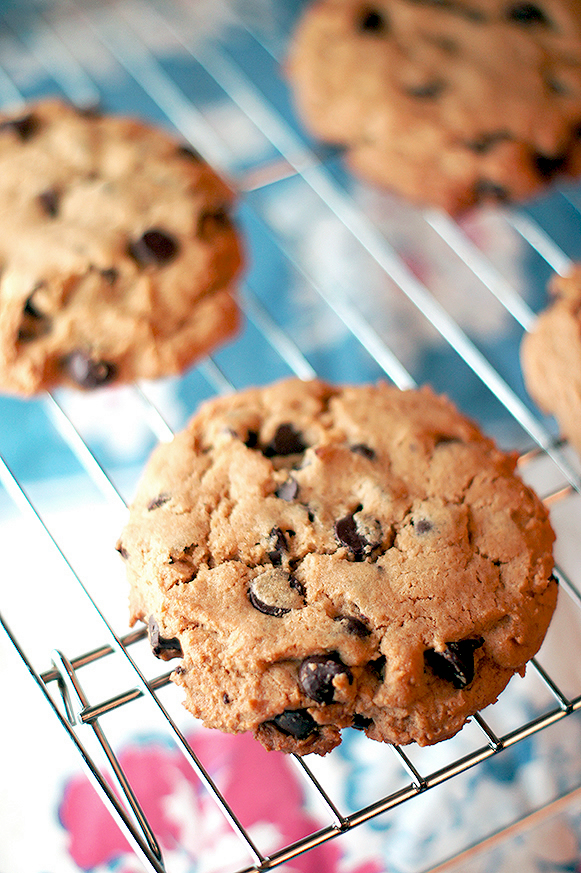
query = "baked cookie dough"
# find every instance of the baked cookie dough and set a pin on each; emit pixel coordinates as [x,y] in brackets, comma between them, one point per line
[326,557]
[551,356]
[448,102]
[117,251]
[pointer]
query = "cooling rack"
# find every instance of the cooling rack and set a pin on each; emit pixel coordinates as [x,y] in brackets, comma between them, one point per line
[344,282]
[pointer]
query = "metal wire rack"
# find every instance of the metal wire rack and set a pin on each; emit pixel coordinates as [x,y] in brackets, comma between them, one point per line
[344,282]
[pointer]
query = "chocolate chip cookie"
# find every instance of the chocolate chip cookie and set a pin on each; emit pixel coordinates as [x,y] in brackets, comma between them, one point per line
[447,102]
[322,557]
[551,356]
[117,251]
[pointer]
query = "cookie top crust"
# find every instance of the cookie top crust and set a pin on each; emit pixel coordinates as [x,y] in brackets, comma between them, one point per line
[551,356]
[117,251]
[447,102]
[323,556]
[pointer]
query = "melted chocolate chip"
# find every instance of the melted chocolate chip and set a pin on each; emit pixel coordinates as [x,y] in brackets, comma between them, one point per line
[297,586]
[286,441]
[251,440]
[226,698]
[110,275]
[298,723]
[445,439]
[422,526]
[377,667]
[278,545]
[153,247]
[361,722]
[428,91]
[34,322]
[213,222]
[87,372]
[347,533]
[288,490]
[359,535]
[456,663]
[49,201]
[188,151]
[371,20]
[316,675]
[274,592]
[25,127]
[550,166]
[365,451]
[555,85]
[487,142]
[158,501]
[163,648]
[486,188]
[456,8]
[354,626]
[527,14]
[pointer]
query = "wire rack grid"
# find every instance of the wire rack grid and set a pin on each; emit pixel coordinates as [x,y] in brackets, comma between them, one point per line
[344,282]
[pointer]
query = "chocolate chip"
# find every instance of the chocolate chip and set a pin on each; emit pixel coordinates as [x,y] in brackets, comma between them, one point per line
[298,723]
[354,626]
[49,201]
[485,143]
[456,663]
[122,551]
[288,490]
[274,592]
[278,546]
[456,8]
[422,526]
[377,667]
[365,451]
[25,127]
[34,322]
[153,247]
[347,533]
[486,188]
[286,441]
[213,221]
[371,20]
[361,722]
[360,534]
[527,14]
[316,675]
[163,648]
[445,439]
[428,91]
[87,372]
[158,501]
[110,275]
[251,440]
[297,586]
[555,85]
[549,166]
[226,698]
[188,151]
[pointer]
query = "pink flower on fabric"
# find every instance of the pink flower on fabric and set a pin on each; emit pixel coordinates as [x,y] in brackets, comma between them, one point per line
[263,789]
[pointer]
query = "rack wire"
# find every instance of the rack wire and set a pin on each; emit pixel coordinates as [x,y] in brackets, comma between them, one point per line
[213,72]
